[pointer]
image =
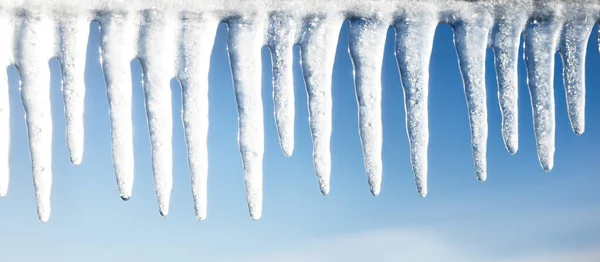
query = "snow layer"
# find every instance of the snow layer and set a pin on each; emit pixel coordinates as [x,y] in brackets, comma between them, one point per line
[174,39]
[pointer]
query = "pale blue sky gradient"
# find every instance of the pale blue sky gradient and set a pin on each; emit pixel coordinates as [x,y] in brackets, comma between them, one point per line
[520,214]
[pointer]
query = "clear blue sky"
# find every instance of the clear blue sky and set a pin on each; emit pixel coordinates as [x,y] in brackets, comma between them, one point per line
[520,214]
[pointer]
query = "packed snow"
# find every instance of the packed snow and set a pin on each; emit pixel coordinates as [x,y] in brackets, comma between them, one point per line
[174,39]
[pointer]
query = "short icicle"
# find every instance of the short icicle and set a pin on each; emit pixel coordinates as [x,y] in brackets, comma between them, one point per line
[73,40]
[244,46]
[414,42]
[118,48]
[198,34]
[471,41]
[35,48]
[281,38]
[541,42]
[6,58]
[366,45]
[318,47]
[505,43]
[573,49]
[157,56]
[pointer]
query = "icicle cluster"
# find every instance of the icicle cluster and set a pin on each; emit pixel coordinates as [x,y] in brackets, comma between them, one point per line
[175,39]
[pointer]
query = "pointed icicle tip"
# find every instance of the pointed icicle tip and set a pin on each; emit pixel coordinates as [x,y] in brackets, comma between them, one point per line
[512,150]
[255,215]
[76,161]
[325,190]
[163,210]
[44,218]
[287,150]
[578,130]
[482,177]
[375,190]
[125,197]
[423,193]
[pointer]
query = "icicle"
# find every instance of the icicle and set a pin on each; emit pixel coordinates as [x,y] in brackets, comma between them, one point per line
[281,38]
[506,39]
[573,47]
[197,44]
[6,55]
[414,42]
[74,33]
[35,48]
[541,39]
[318,47]
[244,44]
[118,48]
[157,57]
[366,44]
[471,40]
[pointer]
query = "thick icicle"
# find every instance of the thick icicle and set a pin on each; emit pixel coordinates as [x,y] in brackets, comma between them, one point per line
[197,43]
[281,38]
[318,46]
[118,46]
[414,42]
[471,40]
[244,46]
[6,57]
[573,48]
[35,48]
[74,31]
[158,49]
[505,43]
[366,44]
[541,40]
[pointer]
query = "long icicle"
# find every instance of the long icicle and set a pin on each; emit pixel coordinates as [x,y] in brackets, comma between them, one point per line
[281,38]
[414,42]
[366,45]
[505,43]
[73,37]
[244,44]
[6,57]
[32,61]
[198,34]
[157,53]
[118,48]
[541,40]
[318,47]
[471,40]
[573,48]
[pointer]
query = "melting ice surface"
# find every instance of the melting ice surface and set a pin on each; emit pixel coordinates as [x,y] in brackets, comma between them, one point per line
[174,38]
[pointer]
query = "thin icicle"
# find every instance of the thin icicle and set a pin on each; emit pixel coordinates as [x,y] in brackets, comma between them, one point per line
[197,43]
[6,57]
[414,42]
[506,40]
[244,45]
[366,44]
[471,40]
[541,39]
[74,31]
[158,49]
[281,38]
[318,47]
[118,48]
[573,48]
[35,48]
